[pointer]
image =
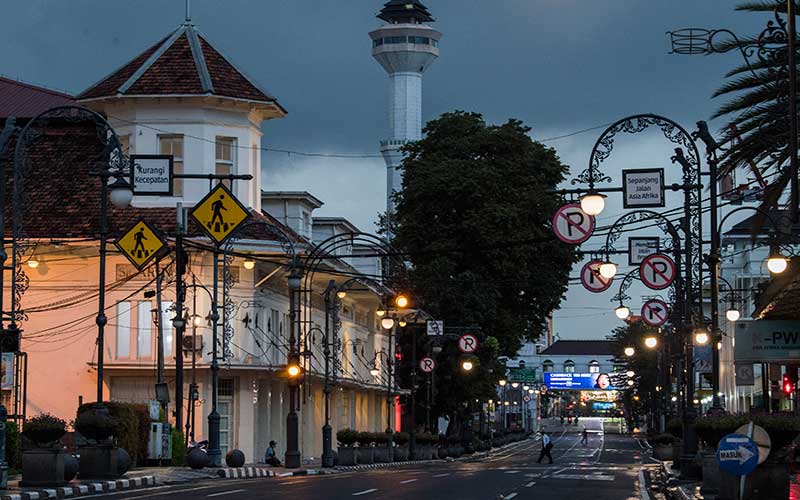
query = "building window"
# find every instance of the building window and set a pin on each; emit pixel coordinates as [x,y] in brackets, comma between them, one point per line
[123,330]
[167,312]
[569,366]
[144,335]
[225,158]
[173,145]
[547,366]
[225,408]
[594,367]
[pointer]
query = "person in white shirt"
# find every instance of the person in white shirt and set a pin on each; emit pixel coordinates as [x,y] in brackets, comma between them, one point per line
[547,445]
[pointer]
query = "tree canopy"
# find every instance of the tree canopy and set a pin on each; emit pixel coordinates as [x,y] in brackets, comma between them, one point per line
[474,216]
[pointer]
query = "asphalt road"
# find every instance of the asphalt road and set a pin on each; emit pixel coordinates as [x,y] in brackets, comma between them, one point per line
[605,469]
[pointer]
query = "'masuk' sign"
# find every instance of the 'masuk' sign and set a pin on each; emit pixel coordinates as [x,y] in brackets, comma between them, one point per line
[642,188]
[767,341]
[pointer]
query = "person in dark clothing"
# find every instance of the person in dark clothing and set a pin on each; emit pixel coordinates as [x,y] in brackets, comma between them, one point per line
[585,436]
[271,457]
[547,445]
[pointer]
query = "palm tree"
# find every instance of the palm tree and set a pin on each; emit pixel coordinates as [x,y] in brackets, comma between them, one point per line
[757,133]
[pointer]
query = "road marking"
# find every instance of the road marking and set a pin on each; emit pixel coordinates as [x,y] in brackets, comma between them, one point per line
[643,486]
[512,472]
[441,475]
[224,493]
[509,497]
[409,481]
[530,484]
[584,477]
[371,490]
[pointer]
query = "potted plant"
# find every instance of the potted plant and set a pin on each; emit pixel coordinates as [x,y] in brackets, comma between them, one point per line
[44,461]
[401,450]
[662,446]
[441,447]
[425,446]
[347,452]
[382,452]
[366,448]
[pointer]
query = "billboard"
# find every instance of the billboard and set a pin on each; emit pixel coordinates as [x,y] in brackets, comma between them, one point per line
[602,405]
[578,381]
[767,341]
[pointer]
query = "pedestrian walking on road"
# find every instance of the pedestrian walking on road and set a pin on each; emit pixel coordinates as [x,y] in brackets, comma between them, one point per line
[585,436]
[547,445]
[271,457]
[562,420]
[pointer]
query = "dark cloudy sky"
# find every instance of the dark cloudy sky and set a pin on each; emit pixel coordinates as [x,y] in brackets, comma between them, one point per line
[558,65]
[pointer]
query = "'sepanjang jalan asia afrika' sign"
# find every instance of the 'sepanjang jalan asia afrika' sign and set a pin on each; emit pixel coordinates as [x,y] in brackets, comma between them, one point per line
[642,188]
[578,381]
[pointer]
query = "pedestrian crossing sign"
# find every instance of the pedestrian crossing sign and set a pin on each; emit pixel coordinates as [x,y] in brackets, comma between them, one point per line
[140,244]
[219,213]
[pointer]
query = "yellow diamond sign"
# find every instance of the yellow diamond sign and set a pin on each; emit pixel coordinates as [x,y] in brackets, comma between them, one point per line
[220,213]
[140,243]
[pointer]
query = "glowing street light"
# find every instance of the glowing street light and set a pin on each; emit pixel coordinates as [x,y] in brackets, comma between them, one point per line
[701,337]
[776,263]
[467,365]
[514,384]
[341,294]
[387,323]
[630,351]
[401,301]
[608,269]
[249,263]
[592,203]
[502,382]
[650,342]
[732,314]
[622,312]
[630,373]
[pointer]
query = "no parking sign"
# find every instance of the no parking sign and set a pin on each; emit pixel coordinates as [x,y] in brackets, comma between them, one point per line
[591,278]
[572,225]
[657,271]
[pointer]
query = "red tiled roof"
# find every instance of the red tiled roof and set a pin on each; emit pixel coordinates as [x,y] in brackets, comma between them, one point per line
[23,100]
[183,63]
[64,197]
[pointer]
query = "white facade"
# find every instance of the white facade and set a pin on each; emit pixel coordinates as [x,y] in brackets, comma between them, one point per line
[295,209]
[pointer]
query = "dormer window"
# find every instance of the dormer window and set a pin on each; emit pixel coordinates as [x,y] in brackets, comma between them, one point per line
[225,157]
[173,145]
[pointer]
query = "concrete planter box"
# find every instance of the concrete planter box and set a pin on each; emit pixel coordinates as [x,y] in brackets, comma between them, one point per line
[401,454]
[383,454]
[366,455]
[770,481]
[424,452]
[347,455]
[663,451]
[44,467]
[711,473]
[102,461]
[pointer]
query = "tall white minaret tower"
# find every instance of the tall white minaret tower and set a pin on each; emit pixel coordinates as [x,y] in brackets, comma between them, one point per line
[405,47]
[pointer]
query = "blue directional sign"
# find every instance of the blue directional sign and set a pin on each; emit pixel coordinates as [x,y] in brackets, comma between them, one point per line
[737,454]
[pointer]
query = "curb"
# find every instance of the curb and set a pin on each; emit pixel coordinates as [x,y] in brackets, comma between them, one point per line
[386,465]
[245,472]
[82,489]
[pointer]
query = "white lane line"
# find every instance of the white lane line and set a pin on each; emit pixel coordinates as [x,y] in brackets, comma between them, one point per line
[512,472]
[442,475]
[528,485]
[371,490]
[225,493]
[643,486]
[509,497]
[408,481]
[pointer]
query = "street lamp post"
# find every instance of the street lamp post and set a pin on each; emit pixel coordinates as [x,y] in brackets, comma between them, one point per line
[292,456]
[327,438]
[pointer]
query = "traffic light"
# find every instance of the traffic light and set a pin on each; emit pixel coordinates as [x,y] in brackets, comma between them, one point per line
[787,386]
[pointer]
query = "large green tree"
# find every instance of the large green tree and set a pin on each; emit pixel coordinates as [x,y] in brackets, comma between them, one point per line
[756,107]
[473,218]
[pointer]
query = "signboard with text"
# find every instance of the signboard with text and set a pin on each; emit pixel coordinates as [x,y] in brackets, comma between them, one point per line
[640,248]
[578,381]
[643,188]
[773,341]
[522,375]
[151,175]
[434,328]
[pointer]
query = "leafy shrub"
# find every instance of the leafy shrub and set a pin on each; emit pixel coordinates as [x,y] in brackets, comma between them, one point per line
[13,448]
[663,440]
[380,438]
[366,438]
[131,423]
[347,437]
[44,428]
[178,447]
[675,427]
[401,438]
[782,428]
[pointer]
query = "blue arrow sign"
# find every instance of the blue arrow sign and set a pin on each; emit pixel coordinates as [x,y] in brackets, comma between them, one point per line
[737,454]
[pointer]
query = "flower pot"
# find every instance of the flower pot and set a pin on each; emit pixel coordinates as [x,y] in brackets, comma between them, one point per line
[197,458]
[441,452]
[44,467]
[95,423]
[366,455]
[401,454]
[383,454]
[348,455]
[424,452]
